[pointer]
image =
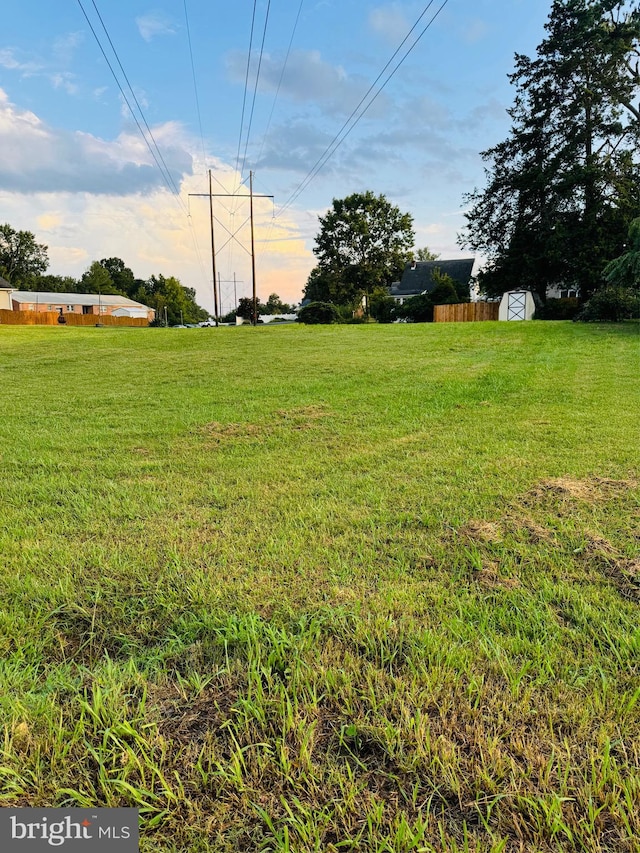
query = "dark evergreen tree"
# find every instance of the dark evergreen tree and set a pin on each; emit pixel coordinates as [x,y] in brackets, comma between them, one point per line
[563,187]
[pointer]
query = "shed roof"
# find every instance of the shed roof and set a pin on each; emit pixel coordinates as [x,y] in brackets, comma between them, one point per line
[418,276]
[4,284]
[75,299]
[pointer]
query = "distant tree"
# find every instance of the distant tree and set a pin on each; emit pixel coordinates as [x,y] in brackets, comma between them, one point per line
[21,258]
[55,284]
[245,309]
[363,243]
[274,305]
[323,285]
[160,293]
[425,254]
[624,271]
[96,279]
[121,276]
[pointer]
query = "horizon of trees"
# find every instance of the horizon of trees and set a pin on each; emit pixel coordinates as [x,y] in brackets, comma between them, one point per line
[564,187]
[23,263]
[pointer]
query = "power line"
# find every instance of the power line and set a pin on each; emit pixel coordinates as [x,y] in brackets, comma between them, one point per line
[195,89]
[255,88]
[195,84]
[273,106]
[124,74]
[345,130]
[158,158]
[246,84]
[165,176]
[284,66]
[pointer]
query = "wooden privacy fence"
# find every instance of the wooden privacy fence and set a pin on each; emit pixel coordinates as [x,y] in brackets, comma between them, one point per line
[466,312]
[50,318]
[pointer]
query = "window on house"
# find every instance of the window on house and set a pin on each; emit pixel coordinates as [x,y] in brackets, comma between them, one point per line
[69,307]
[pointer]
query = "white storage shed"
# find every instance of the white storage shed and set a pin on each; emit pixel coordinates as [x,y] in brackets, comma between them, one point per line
[517,305]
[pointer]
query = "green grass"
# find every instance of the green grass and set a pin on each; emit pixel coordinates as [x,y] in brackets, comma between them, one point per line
[353,588]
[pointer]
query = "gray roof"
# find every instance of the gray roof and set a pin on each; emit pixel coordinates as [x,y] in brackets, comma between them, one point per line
[418,276]
[75,299]
[4,284]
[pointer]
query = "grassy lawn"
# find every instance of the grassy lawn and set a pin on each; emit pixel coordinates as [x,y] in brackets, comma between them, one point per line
[352,588]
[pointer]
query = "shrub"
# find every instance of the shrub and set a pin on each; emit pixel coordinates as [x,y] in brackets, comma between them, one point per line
[444,293]
[558,309]
[318,312]
[610,304]
[418,309]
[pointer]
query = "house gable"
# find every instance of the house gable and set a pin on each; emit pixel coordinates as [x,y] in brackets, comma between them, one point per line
[418,276]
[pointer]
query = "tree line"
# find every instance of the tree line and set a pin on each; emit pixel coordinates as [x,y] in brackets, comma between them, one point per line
[561,204]
[24,262]
[563,189]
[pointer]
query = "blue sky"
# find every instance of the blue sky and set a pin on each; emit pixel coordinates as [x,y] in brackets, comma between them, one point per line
[76,170]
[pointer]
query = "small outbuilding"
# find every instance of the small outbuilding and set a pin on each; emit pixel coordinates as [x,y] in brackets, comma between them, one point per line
[517,305]
[140,312]
[5,294]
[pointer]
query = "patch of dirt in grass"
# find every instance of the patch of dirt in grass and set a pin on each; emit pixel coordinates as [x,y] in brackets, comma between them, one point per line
[512,535]
[535,532]
[299,418]
[490,577]
[485,531]
[218,431]
[303,417]
[191,721]
[623,572]
[588,490]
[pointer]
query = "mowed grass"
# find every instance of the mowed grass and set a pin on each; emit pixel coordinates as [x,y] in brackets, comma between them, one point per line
[356,588]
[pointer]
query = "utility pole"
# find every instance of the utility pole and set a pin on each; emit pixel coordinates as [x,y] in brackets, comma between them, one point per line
[254,310]
[232,236]
[213,255]
[220,292]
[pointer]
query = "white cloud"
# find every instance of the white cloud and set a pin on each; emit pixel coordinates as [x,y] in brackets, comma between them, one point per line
[10,61]
[308,79]
[64,48]
[41,158]
[88,198]
[64,80]
[390,22]
[154,24]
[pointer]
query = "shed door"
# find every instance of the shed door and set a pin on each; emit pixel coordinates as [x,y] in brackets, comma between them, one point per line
[516,306]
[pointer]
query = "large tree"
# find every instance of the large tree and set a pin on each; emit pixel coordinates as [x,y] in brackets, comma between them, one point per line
[122,277]
[21,258]
[160,292]
[96,279]
[363,243]
[563,187]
